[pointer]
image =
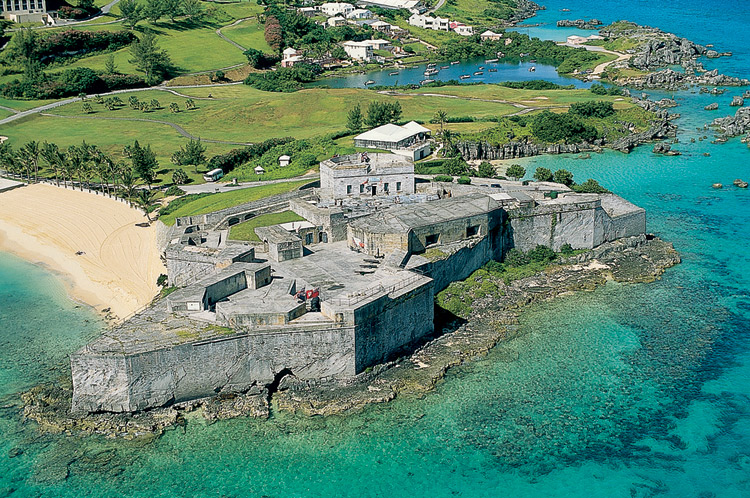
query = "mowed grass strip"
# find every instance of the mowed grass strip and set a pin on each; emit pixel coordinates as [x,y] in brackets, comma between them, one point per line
[246,230]
[215,202]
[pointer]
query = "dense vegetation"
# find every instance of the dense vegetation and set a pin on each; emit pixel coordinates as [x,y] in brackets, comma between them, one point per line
[285,79]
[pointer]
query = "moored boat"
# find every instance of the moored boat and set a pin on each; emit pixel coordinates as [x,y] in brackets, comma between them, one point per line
[370,82]
[490,60]
[424,82]
[465,76]
[478,73]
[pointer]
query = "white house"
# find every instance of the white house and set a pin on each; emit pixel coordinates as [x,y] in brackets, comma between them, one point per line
[335,21]
[462,29]
[290,57]
[490,35]
[358,50]
[383,26]
[308,11]
[428,22]
[378,44]
[411,5]
[359,14]
[284,160]
[409,140]
[259,170]
[336,8]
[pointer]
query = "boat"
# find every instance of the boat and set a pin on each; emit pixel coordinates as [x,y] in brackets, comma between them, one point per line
[431,65]
[533,61]
[481,68]
[454,62]
[444,67]
[370,82]
[424,82]
[430,72]
[478,73]
[394,73]
[487,61]
[492,70]
[465,76]
[532,69]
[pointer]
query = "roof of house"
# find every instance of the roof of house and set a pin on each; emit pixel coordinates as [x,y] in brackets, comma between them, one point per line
[395,4]
[401,219]
[379,41]
[355,44]
[393,133]
[490,33]
[289,51]
[284,157]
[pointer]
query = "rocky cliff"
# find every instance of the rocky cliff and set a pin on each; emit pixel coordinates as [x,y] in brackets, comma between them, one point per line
[580,23]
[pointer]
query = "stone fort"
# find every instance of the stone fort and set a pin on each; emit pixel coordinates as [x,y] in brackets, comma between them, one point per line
[330,296]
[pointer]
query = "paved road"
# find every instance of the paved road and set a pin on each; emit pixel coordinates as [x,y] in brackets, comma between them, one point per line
[235,23]
[224,187]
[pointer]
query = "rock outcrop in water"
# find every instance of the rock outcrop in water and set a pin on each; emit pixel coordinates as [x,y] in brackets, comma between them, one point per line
[670,79]
[580,23]
[495,318]
[733,126]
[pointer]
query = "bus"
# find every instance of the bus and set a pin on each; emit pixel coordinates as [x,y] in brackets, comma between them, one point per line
[213,175]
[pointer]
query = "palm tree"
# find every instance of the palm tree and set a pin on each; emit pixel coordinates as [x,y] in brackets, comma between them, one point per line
[31,150]
[144,199]
[115,170]
[7,158]
[51,155]
[23,162]
[441,117]
[127,178]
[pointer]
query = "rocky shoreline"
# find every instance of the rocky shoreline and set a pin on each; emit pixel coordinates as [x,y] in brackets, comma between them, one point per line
[580,23]
[495,318]
[660,129]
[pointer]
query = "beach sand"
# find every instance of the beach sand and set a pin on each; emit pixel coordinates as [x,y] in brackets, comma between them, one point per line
[48,225]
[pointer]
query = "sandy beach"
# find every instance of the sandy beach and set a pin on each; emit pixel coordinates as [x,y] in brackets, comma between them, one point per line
[49,225]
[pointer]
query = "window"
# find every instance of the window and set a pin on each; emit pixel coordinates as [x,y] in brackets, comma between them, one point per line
[398,186]
[361,188]
[308,238]
[431,239]
[472,231]
[348,189]
[385,187]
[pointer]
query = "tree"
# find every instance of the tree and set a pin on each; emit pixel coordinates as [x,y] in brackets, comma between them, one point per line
[192,9]
[149,59]
[155,104]
[274,34]
[127,180]
[543,174]
[590,186]
[51,155]
[456,166]
[144,163]
[134,103]
[541,254]
[563,176]
[354,119]
[171,8]
[179,177]
[132,11]
[86,107]
[380,113]
[31,152]
[258,59]
[189,104]
[191,153]
[516,171]
[441,118]
[144,199]
[173,107]
[486,170]
[153,10]
[109,65]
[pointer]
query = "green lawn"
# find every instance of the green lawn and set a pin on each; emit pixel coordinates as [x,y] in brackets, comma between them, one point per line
[246,229]
[215,202]
[249,34]
[22,105]
[110,136]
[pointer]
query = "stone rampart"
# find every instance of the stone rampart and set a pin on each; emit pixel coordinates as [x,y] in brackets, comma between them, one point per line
[233,363]
[331,219]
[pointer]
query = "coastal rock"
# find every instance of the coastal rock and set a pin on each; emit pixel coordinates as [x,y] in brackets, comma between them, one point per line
[711,107]
[733,126]
[712,54]
[717,186]
[579,23]
[737,101]
[666,103]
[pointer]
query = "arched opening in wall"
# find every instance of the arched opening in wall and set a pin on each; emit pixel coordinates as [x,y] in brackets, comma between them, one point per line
[233,221]
[248,216]
[278,383]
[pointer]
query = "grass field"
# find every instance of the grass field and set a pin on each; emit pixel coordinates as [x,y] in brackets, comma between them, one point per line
[215,202]
[249,34]
[246,230]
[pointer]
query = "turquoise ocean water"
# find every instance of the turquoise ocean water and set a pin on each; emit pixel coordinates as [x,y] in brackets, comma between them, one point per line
[628,391]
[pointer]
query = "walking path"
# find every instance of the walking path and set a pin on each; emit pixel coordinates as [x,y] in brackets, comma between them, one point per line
[235,23]
[227,187]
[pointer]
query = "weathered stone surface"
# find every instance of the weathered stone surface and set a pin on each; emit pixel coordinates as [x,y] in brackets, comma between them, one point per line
[737,101]
[712,106]
[734,125]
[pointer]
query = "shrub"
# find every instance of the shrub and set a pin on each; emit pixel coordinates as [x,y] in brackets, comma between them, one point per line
[443,178]
[174,189]
[516,258]
[595,109]
[551,128]
[486,170]
[590,186]
[541,254]
[566,249]
[235,157]
[516,171]
[464,180]
[563,176]
[162,280]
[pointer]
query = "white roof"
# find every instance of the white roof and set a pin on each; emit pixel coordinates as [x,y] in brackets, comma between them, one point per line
[289,51]
[215,172]
[393,133]
[379,41]
[380,23]
[293,226]
[259,168]
[355,44]
[284,157]
[490,33]
[396,4]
